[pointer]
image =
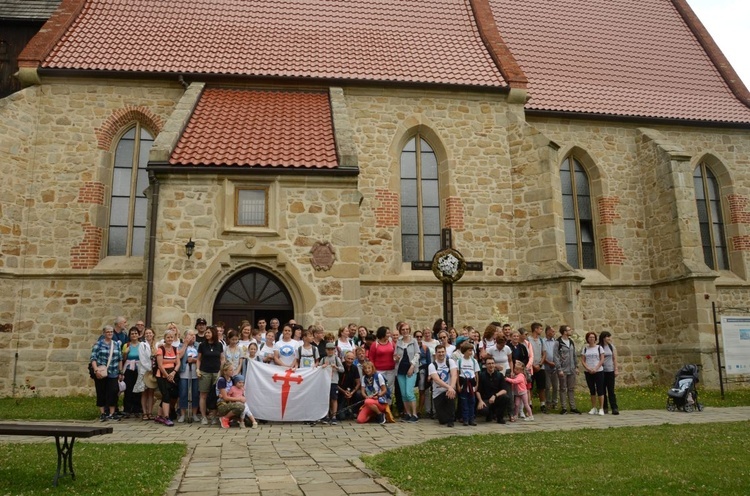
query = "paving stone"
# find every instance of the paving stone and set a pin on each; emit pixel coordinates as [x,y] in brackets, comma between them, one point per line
[289,460]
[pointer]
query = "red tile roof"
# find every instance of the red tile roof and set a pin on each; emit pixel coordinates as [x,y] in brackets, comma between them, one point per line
[616,57]
[433,41]
[237,127]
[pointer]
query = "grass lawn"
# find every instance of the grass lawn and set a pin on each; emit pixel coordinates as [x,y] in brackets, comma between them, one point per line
[111,469]
[49,408]
[83,407]
[666,459]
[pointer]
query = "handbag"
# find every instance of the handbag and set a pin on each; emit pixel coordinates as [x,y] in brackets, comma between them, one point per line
[101,370]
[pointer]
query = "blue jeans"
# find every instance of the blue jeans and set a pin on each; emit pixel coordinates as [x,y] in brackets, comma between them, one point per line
[468,404]
[184,394]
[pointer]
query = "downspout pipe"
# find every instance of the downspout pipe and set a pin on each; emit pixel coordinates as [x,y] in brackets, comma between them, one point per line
[154,182]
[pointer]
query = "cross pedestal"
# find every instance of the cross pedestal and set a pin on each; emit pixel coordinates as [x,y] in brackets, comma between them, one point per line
[449,266]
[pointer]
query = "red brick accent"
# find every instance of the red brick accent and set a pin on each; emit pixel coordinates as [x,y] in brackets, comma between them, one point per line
[613,254]
[86,254]
[388,213]
[91,192]
[738,213]
[499,51]
[121,118]
[454,213]
[608,209]
[41,45]
[741,243]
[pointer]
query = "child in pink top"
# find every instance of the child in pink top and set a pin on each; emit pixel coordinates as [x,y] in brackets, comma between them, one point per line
[237,393]
[520,390]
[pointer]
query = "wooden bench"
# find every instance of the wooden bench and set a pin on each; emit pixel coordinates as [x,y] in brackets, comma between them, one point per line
[69,433]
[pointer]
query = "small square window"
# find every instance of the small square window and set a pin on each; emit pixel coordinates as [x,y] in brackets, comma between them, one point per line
[251,207]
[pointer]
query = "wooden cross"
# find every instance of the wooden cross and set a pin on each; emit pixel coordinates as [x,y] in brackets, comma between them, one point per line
[448,265]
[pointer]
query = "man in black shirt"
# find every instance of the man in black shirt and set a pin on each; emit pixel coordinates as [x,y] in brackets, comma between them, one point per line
[493,400]
[349,388]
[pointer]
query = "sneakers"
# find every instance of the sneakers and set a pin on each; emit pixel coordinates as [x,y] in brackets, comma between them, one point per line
[544,409]
[472,423]
[224,422]
[413,419]
[615,412]
[563,411]
[523,415]
[601,412]
[168,422]
[575,410]
[114,418]
[529,418]
[405,417]
[381,419]
[333,421]
[196,418]
[204,421]
[159,419]
[103,417]
[181,419]
[255,425]
[325,420]
[592,411]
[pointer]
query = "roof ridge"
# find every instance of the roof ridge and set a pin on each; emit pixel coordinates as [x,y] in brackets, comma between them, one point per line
[717,57]
[42,44]
[496,46]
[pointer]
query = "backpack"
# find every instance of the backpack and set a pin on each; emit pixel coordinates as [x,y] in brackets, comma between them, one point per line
[387,398]
[155,363]
[434,364]
[463,383]
[315,355]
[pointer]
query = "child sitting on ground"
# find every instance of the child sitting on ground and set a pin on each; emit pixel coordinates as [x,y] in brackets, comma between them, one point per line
[237,393]
[520,390]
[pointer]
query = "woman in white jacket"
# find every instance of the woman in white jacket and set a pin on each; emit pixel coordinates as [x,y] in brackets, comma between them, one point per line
[407,365]
[146,385]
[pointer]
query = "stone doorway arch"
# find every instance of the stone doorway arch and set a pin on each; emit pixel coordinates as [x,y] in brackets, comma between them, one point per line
[252,294]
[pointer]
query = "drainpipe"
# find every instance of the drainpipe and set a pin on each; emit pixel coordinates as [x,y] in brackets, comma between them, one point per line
[151,246]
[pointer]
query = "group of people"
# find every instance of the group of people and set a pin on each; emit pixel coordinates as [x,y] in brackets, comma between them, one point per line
[375,376]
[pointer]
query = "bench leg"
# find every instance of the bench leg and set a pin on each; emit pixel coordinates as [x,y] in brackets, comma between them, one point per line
[65,458]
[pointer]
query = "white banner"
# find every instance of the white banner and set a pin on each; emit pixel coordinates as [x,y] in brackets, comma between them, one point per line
[277,393]
[735,333]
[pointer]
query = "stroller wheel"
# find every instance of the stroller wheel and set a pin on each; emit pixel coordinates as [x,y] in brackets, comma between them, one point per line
[670,406]
[688,408]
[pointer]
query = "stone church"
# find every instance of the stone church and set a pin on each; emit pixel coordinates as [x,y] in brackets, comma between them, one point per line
[593,156]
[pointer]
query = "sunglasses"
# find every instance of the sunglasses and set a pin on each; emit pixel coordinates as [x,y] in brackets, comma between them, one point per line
[418,336]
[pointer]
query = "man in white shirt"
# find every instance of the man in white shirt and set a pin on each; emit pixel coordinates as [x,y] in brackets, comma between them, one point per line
[444,372]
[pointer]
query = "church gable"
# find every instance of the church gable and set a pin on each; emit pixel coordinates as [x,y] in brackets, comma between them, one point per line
[254,128]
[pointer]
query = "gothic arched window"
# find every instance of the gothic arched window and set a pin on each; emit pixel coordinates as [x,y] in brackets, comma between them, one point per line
[580,247]
[128,205]
[420,201]
[708,202]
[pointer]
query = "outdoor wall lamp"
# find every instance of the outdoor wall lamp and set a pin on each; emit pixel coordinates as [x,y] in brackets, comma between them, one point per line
[189,248]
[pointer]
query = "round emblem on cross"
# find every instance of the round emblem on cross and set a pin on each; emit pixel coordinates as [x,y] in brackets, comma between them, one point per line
[448,265]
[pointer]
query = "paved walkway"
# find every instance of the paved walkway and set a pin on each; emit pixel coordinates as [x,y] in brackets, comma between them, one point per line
[292,459]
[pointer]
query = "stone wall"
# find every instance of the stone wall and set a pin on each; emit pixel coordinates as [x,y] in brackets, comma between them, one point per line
[499,175]
[54,182]
[303,211]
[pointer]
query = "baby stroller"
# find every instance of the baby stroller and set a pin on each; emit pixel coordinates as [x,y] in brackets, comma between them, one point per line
[683,395]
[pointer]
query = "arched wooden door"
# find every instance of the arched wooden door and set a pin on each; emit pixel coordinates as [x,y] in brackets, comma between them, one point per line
[253,295]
